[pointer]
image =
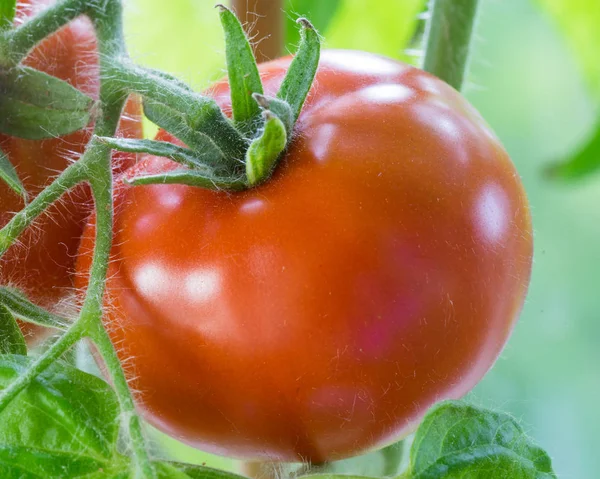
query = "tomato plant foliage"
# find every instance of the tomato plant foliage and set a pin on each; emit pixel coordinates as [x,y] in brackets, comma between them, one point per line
[65,424]
[458,440]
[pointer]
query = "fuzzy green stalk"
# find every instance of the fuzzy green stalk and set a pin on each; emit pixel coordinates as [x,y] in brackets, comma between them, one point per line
[448,39]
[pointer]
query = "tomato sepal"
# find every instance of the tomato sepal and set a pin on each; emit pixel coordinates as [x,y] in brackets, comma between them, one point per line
[198,159]
[300,76]
[278,107]
[266,149]
[174,123]
[242,71]
[245,145]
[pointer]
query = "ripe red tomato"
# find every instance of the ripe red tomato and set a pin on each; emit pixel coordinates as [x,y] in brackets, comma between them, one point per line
[42,262]
[319,315]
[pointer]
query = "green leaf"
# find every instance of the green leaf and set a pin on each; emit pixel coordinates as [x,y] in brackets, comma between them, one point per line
[64,424]
[9,175]
[11,338]
[7,13]
[22,308]
[265,150]
[301,73]
[578,20]
[582,163]
[319,13]
[36,105]
[459,441]
[392,457]
[244,79]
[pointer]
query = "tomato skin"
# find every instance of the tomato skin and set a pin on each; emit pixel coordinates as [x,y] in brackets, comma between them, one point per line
[42,263]
[315,317]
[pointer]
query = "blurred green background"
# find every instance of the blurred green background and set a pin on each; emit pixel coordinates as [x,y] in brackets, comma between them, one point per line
[535,78]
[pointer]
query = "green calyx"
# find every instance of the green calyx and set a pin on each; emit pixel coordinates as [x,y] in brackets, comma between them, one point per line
[223,153]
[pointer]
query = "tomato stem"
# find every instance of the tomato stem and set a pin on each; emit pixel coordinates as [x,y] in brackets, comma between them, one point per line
[72,175]
[131,422]
[448,39]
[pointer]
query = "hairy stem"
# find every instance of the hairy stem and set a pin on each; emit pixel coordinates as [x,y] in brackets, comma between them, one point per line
[449,34]
[91,312]
[71,176]
[131,421]
[18,42]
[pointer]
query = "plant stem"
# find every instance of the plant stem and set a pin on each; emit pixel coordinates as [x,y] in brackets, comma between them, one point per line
[130,420]
[109,29]
[448,35]
[72,175]
[66,341]
[17,43]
